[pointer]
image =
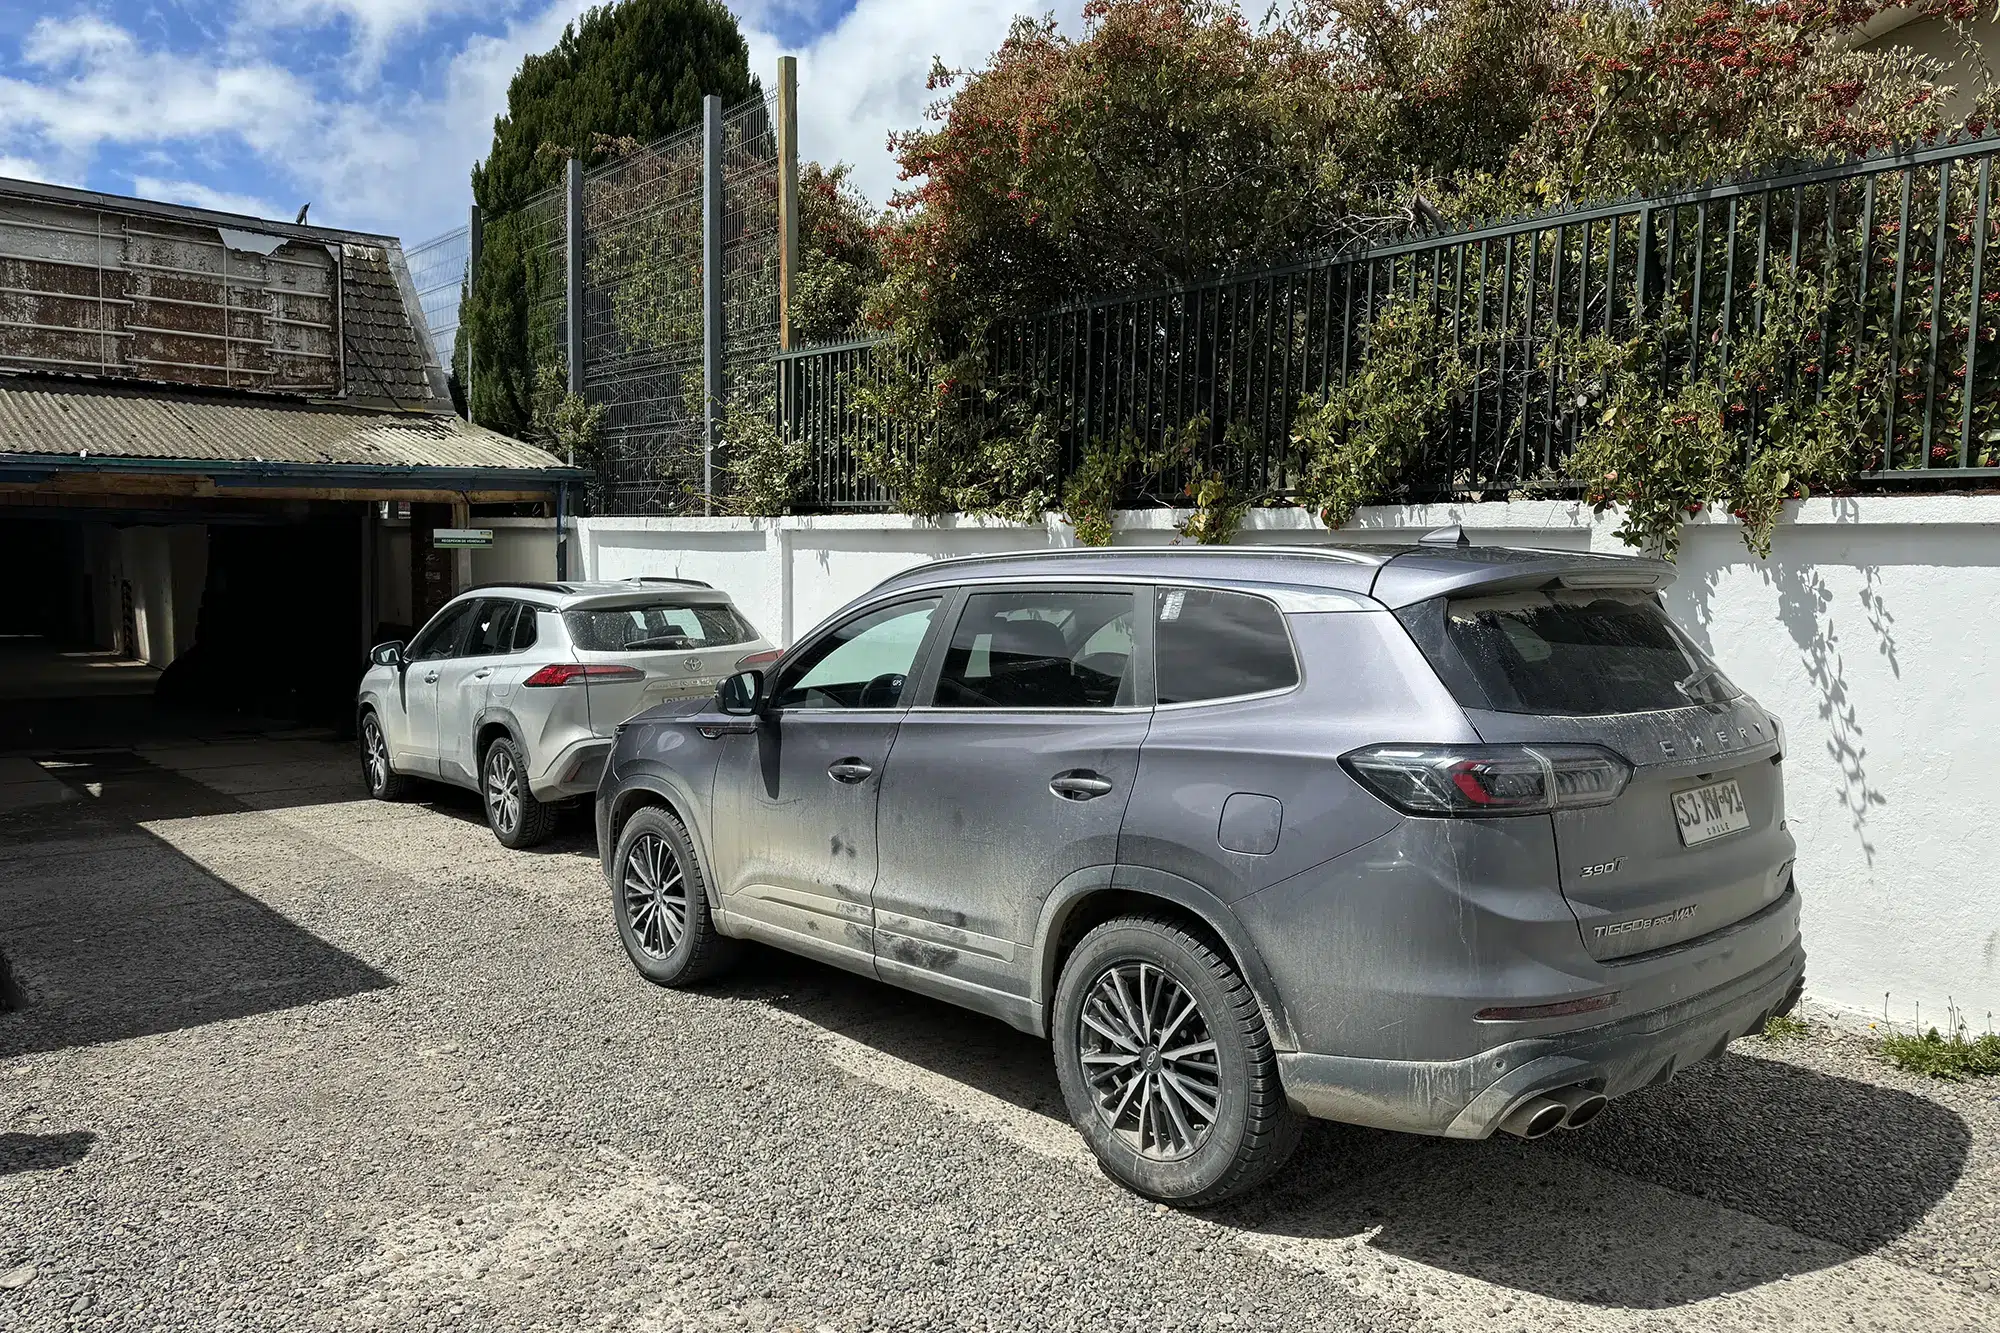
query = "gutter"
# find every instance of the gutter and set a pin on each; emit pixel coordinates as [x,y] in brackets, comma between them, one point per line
[247,474]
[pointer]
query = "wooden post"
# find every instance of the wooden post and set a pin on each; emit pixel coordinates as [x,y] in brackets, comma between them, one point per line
[461,559]
[788,192]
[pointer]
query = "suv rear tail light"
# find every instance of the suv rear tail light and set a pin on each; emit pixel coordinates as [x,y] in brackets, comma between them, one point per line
[562,673]
[1489,779]
[756,660]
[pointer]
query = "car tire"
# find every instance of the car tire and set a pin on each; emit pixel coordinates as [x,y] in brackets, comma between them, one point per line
[517,819]
[659,899]
[383,782]
[1123,989]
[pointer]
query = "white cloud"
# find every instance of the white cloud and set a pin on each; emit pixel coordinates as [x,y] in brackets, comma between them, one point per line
[196,195]
[373,24]
[404,163]
[387,160]
[384,159]
[866,76]
[28,169]
[97,85]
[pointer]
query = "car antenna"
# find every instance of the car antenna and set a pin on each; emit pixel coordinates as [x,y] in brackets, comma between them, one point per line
[1451,536]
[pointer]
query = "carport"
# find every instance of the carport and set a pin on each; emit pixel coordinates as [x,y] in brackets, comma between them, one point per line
[227,449]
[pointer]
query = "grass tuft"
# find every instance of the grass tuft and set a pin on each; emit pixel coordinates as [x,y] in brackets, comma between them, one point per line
[1951,1057]
[1784,1027]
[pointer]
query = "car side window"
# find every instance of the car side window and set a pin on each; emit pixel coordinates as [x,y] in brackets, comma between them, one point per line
[1040,649]
[525,628]
[441,637]
[866,663]
[492,630]
[1210,644]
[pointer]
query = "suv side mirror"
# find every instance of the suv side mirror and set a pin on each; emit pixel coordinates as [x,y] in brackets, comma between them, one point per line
[741,695]
[388,654]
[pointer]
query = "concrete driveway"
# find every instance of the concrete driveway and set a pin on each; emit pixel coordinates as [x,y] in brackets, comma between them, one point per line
[298,1060]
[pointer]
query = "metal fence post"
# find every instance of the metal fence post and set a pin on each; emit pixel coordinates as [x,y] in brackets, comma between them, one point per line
[573,279]
[474,242]
[711,293]
[573,317]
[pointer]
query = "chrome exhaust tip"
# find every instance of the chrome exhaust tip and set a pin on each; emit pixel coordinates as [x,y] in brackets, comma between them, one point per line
[1584,1106]
[1535,1118]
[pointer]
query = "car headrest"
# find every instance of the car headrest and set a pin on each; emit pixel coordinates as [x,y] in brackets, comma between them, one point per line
[1028,638]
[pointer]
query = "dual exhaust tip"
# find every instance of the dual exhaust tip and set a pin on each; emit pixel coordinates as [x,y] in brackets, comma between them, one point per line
[1562,1108]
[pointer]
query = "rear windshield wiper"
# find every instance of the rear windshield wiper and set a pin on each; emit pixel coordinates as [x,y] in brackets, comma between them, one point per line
[668,641]
[1687,687]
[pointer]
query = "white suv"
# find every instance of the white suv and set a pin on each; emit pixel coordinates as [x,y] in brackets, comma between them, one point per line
[516,690]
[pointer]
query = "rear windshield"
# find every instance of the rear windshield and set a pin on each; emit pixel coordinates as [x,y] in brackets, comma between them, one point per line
[1567,652]
[656,627]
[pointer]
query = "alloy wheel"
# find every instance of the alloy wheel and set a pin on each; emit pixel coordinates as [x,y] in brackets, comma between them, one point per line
[503,790]
[1150,1060]
[655,896]
[374,754]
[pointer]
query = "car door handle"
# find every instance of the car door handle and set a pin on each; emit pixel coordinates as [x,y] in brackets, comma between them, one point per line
[482,673]
[849,771]
[1079,786]
[431,679]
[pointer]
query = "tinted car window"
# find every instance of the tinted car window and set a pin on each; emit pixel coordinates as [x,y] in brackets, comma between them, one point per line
[865,663]
[664,626]
[1031,649]
[525,628]
[1581,652]
[1218,645]
[441,637]
[492,630]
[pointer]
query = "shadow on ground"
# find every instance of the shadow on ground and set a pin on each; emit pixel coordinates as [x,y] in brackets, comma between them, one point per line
[43,1152]
[575,832]
[112,933]
[1738,1173]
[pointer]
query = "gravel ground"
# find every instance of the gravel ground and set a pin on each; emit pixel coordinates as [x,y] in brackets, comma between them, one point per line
[298,1060]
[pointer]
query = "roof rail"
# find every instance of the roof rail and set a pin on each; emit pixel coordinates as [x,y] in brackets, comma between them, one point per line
[661,578]
[562,588]
[1340,555]
[1343,555]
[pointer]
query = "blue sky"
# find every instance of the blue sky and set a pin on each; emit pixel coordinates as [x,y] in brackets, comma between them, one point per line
[374,110]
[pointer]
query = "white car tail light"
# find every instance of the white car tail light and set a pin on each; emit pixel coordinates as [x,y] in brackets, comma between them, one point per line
[563,673]
[1489,779]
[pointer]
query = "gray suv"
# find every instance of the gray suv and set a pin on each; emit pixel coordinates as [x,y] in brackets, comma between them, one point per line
[1434,838]
[515,690]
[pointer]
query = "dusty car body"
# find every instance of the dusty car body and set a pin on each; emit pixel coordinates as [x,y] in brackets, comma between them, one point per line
[1439,838]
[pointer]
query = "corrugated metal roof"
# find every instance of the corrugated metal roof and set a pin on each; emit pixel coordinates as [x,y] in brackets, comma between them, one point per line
[40,416]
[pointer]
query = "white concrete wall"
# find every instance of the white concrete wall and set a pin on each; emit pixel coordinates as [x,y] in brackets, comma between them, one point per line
[1870,632]
[523,549]
[167,568]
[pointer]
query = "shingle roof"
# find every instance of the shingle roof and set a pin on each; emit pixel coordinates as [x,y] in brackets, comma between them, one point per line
[53,417]
[387,363]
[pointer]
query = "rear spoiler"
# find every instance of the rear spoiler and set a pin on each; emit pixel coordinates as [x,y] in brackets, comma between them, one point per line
[652,594]
[1439,571]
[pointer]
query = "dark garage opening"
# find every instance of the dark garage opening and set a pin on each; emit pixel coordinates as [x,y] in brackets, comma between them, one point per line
[124,625]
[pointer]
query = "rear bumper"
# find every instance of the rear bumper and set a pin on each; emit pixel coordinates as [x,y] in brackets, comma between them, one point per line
[575,771]
[1467,1099]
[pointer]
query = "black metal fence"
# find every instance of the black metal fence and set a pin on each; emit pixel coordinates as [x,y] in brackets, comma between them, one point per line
[1898,240]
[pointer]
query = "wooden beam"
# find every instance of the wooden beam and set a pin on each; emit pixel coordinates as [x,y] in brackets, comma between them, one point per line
[788,192]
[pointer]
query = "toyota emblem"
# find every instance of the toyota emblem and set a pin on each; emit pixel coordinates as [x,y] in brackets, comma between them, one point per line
[693,666]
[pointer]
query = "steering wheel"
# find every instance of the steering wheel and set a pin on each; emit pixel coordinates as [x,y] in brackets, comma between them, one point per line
[883,691]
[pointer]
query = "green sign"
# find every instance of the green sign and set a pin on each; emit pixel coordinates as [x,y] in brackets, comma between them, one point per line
[462,537]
